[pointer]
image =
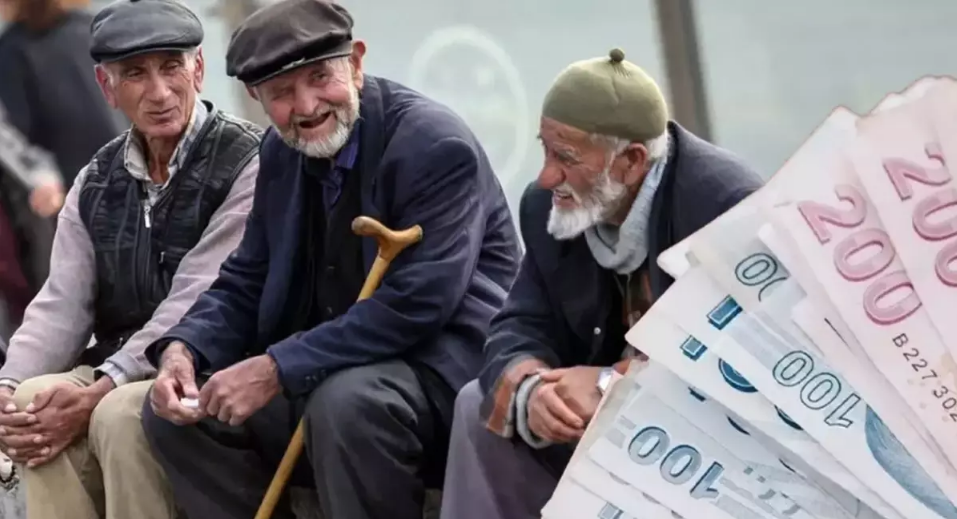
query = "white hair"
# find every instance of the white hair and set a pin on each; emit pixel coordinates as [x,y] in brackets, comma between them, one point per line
[346,116]
[111,77]
[606,195]
[657,147]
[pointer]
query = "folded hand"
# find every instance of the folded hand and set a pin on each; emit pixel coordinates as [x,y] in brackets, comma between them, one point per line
[234,394]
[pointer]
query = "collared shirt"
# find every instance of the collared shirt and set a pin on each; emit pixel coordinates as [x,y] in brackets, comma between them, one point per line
[135,159]
[333,181]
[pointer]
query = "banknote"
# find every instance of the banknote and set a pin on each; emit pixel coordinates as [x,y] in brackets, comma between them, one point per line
[738,259]
[616,491]
[835,133]
[692,361]
[843,352]
[583,474]
[778,310]
[784,251]
[815,396]
[732,250]
[664,454]
[902,164]
[572,501]
[716,421]
[827,138]
[838,232]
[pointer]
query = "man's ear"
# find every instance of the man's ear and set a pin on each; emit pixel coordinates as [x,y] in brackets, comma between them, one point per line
[636,164]
[253,93]
[106,86]
[199,70]
[355,59]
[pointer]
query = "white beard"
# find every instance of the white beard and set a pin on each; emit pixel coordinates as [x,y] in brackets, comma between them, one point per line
[327,147]
[566,224]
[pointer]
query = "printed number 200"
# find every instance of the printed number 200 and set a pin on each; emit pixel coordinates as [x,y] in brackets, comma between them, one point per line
[880,254]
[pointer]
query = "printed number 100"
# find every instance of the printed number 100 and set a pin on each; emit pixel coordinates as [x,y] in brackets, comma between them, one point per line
[677,465]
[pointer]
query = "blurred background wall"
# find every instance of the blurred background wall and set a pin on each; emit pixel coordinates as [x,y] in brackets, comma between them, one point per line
[753,76]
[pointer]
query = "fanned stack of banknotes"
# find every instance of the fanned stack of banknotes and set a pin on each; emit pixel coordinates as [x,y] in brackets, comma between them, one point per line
[802,364]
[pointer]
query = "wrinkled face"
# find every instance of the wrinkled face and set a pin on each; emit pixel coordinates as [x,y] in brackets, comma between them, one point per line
[315,107]
[156,91]
[590,181]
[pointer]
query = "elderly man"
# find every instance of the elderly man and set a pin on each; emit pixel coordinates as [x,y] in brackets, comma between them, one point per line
[280,329]
[142,233]
[620,184]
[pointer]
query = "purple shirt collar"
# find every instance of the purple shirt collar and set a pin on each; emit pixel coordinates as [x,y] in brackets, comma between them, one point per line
[346,158]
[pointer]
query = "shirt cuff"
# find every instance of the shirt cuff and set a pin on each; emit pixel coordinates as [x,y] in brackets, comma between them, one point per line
[523,395]
[113,371]
[10,383]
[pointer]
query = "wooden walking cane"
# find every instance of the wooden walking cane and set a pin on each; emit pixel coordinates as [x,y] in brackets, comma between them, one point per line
[391,243]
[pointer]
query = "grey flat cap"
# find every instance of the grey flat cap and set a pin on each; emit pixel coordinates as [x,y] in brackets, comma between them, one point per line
[286,35]
[129,27]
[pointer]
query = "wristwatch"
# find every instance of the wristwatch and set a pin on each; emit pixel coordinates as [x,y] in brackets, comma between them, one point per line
[604,378]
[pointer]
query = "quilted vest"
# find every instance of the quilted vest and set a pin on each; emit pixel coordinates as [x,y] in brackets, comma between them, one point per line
[137,249]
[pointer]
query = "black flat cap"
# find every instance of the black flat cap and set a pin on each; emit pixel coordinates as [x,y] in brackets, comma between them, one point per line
[286,35]
[129,27]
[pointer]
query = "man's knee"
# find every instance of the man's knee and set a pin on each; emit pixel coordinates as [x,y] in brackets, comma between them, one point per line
[116,419]
[339,398]
[467,404]
[30,388]
[354,401]
[156,428]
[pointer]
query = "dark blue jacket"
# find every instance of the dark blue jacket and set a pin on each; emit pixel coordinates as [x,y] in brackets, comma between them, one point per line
[420,164]
[557,310]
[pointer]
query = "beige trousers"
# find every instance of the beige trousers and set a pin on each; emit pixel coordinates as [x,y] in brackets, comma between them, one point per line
[111,473]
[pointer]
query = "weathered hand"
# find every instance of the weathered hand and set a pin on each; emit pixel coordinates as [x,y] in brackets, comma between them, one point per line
[578,388]
[550,418]
[176,380]
[62,416]
[16,426]
[234,394]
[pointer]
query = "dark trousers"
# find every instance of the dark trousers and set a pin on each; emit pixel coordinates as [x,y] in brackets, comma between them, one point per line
[376,436]
[490,477]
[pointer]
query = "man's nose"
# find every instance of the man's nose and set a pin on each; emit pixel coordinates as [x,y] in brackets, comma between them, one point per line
[551,176]
[306,103]
[159,89]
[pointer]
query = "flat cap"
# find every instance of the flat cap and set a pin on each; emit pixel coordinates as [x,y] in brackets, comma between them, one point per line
[129,27]
[286,35]
[608,96]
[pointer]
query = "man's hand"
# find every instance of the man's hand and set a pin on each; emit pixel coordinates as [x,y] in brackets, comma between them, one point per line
[578,389]
[47,198]
[13,425]
[176,380]
[234,394]
[53,421]
[552,419]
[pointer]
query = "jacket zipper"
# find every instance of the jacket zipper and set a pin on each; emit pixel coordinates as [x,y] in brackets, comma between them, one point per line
[143,281]
[147,208]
